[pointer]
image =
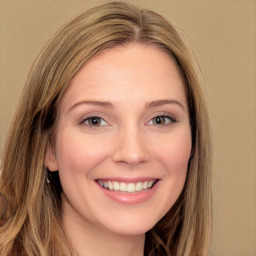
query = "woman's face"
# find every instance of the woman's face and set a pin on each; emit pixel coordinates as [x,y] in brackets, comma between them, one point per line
[123,140]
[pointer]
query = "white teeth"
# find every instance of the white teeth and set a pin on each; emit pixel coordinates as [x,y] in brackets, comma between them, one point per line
[145,185]
[110,185]
[105,184]
[116,185]
[126,187]
[150,183]
[139,186]
[131,187]
[122,186]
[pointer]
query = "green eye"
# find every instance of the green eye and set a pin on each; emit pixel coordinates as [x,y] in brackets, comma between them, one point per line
[95,121]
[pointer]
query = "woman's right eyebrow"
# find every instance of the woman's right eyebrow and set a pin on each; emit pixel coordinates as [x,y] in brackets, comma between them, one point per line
[105,104]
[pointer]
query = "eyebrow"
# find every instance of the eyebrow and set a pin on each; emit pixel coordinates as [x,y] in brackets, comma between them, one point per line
[158,103]
[107,104]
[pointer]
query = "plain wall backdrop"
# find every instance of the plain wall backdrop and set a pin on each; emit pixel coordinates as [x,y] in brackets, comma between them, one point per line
[222,35]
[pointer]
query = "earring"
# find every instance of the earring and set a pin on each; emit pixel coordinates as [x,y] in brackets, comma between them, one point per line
[49,177]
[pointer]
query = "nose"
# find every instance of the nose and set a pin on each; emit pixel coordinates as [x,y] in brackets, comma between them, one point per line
[131,148]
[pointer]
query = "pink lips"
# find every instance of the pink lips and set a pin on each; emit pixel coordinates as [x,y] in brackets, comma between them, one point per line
[130,198]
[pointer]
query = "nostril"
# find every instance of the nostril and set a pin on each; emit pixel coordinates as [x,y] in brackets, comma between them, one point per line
[131,147]
[130,158]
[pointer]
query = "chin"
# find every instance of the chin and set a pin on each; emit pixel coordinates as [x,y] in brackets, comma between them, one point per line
[130,230]
[130,225]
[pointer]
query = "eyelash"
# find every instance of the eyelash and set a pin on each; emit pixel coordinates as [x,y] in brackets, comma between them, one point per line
[165,116]
[91,118]
[99,118]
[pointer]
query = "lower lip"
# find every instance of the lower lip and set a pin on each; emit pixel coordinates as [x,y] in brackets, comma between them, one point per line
[130,198]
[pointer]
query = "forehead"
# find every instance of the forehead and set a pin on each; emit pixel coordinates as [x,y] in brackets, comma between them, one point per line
[138,70]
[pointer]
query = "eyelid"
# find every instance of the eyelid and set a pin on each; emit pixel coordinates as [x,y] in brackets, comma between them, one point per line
[84,119]
[91,114]
[166,115]
[171,116]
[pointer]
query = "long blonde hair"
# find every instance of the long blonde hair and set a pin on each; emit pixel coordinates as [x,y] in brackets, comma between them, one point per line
[32,225]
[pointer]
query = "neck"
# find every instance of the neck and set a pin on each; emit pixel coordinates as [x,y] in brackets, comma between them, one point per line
[88,239]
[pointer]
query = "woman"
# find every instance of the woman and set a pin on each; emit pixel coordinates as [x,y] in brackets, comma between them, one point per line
[109,152]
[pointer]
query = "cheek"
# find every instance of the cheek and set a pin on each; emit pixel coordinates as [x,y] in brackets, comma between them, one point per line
[78,152]
[175,152]
[174,157]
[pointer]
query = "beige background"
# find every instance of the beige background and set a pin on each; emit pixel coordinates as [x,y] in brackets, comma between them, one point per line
[223,36]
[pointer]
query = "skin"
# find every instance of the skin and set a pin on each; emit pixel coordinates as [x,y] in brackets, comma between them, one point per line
[127,143]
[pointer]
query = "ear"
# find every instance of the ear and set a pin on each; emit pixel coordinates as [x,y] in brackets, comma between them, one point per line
[50,160]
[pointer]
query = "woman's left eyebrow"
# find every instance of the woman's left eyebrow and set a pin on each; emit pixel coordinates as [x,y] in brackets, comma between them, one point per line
[158,103]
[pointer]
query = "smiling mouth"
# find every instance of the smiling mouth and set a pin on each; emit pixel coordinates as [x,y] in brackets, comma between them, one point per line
[127,187]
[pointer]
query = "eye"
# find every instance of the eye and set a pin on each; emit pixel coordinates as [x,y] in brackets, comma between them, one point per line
[162,120]
[95,121]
